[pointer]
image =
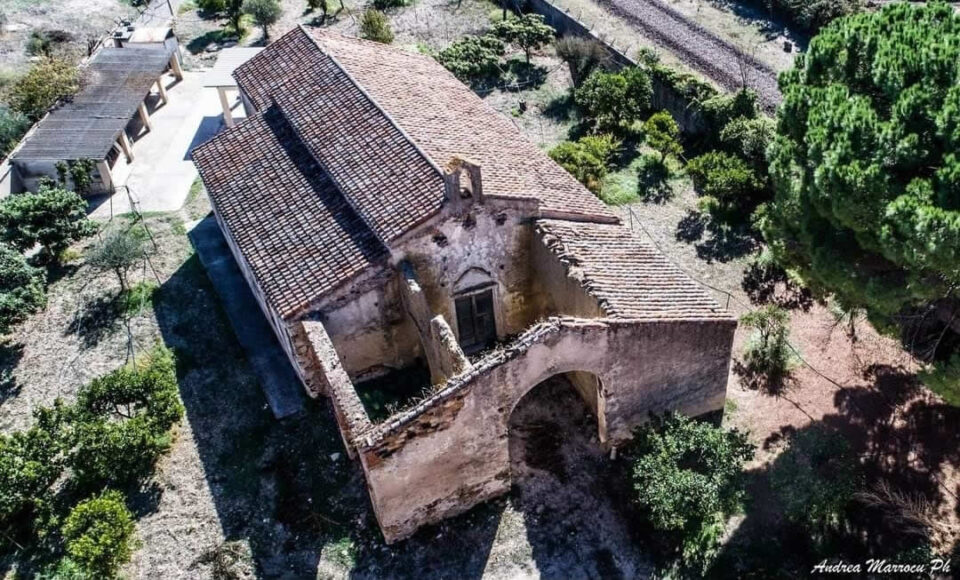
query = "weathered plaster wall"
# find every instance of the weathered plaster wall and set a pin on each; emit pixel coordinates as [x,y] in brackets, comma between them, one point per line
[372,332]
[450,452]
[493,239]
[558,293]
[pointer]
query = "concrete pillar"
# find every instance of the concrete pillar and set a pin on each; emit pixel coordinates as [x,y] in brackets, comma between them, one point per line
[142,109]
[225,103]
[105,176]
[163,91]
[126,147]
[175,66]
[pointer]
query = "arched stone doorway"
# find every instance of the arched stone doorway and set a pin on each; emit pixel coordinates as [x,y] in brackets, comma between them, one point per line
[560,473]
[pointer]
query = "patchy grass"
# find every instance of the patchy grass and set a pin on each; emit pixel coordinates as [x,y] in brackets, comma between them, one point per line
[138,298]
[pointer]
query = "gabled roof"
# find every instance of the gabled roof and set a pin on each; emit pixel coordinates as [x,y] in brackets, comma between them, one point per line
[434,116]
[344,157]
[295,230]
[630,278]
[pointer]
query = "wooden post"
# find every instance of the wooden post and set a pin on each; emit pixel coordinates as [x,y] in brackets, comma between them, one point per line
[125,146]
[163,91]
[105,176]
[227,115]
[175,65]
[142,109]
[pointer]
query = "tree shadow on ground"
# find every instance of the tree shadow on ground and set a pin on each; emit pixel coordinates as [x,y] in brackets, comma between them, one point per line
[95,320]
[722,243]
[653,181]
[902,438]
[521,75]
[10,355]
[756,380]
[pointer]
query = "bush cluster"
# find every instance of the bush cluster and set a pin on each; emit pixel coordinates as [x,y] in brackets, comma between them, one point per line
[687,479]
[111,437]
[613,101]
[49,81]
[473,59]
[587,159]
[731,176]
[22,289]
[53,217]
[375,26]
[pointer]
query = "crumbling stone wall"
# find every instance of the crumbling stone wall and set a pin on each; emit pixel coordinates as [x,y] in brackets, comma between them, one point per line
[450,452]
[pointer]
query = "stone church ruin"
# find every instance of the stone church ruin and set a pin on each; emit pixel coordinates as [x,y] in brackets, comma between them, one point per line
[385,217]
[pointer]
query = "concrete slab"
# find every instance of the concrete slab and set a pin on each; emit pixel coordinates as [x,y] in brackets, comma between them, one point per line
[162,171]
[279,381]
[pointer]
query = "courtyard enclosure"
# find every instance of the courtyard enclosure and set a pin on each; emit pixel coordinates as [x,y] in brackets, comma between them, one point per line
[387,220]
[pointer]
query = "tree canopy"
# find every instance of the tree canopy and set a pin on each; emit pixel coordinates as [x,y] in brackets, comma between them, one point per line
[21,288]
[527,31]
[52,217]
[866,160]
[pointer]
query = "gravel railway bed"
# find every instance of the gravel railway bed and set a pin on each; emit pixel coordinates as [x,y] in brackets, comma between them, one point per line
[699,48]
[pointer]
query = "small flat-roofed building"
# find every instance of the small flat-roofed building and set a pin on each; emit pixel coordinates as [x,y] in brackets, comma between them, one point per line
[386,217]
[93,124]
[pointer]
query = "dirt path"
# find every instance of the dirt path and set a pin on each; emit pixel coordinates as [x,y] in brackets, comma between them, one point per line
[699,48]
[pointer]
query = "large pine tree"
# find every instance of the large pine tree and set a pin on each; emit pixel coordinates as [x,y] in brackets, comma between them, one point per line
[866,163]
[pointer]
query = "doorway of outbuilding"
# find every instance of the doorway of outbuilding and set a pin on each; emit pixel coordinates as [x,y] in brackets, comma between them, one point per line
[562,478]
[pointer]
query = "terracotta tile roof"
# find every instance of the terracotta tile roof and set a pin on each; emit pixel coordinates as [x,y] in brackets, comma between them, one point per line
[630,278]
[446,119]
[385,111]
[386,179]
[293,227]
[287,57]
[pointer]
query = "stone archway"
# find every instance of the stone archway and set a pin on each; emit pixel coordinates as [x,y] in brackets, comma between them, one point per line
[558,465]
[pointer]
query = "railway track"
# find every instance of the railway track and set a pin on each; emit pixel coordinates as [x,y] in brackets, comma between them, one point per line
[702,50]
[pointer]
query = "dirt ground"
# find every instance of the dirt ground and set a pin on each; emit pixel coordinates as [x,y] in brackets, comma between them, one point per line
[81,19]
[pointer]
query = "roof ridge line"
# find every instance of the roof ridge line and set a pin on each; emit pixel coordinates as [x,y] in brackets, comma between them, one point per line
[430,161]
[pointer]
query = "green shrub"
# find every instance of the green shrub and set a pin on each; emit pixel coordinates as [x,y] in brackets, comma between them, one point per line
[582,55]
[124,420]
[588,159]
[99,534]
[264,13]
[22,289]
[13,126]
[527,31]
[138,297]
[212,7]
[613,101]
[77,173]
[375,26]
[725,178]
[473,58]
[767,352]
[723,108]
[687,478]
[661,134]
[944,379]
[815,478]
[30,462]
[749,138]
[52,217]
[47,82]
